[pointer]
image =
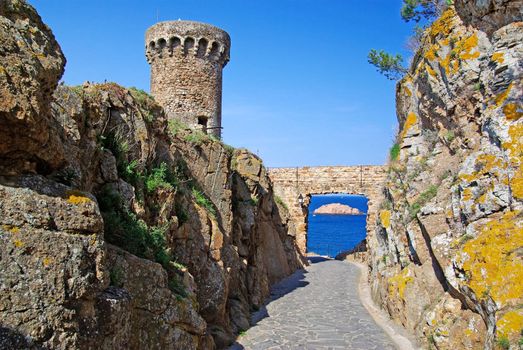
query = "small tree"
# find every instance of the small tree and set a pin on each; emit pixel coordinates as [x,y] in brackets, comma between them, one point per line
[416,10]
[389,65]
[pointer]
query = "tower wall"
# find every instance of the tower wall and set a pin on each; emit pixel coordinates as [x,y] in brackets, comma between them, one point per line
[186,61]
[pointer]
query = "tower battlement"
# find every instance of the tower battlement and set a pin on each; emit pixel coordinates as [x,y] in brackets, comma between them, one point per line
[186,61]
[167,39]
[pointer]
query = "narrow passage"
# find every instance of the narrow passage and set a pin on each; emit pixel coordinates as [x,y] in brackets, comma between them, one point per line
[318,308]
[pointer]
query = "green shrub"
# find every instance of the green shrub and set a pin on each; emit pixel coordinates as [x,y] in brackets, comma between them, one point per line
[131,174]
[386,204]
[450,136]
[196,137]
[503,343]
[280,202]
[228,148]
[77,89]
[117,143]
[254,200]
[176,126]
[234,163]
[140,95]
[125,230]
[394,152]
[116,276]
[428,194]
[66,176]
[179,266]
[214,138]
[181,214]
[176,286]
[203,201]
[160,177]
[422,199]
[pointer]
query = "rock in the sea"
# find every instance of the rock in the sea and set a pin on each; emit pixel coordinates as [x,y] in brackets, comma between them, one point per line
[337,209]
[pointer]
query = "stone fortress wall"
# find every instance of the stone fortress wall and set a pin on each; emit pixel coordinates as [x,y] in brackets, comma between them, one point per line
[187,59]
[289,183]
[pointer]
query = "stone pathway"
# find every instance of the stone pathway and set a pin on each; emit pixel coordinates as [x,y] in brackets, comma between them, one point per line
[318,308]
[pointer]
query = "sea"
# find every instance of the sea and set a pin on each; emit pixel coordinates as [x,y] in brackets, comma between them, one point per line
[333,234]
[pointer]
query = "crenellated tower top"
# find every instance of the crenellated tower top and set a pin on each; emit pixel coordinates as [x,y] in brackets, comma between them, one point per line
[187,38]
[186,61]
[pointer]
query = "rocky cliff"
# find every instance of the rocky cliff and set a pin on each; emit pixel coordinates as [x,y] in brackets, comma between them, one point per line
[446,257]
[119,230]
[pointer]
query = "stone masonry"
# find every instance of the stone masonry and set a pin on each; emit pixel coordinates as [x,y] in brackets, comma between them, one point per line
[289,183]
[186,61]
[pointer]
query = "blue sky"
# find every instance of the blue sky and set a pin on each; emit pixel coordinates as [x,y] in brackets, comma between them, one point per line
[298,90]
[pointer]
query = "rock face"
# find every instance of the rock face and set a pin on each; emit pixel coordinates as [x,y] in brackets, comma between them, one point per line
[489,15]
[337,209]
[445,257]
[132,233]
[31,63]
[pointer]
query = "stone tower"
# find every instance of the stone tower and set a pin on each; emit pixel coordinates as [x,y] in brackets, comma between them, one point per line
[186,61]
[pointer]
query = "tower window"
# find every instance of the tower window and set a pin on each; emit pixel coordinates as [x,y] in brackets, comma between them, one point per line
[202,120]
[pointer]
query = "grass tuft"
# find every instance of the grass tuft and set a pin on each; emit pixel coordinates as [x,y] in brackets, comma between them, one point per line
[394,152]
[203,201]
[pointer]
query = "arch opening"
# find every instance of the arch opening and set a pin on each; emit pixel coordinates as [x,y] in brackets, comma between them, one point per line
[174,43]
[188,45]
[202,123]
[202,47]
[161,43]
[330,233]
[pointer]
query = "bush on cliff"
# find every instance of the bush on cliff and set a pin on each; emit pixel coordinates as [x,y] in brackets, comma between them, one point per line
[123,229]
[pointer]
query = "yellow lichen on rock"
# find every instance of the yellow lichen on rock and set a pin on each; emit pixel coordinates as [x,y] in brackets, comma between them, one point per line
[513,111]
[467,194]
[431,71]
[485,165]
[501,97]
[491,261]
[77,197]
[444,24]
[450,66]
[399,282]
[463,50]
[510,324]
[409,122]
[11,229]
[47,261]
[464,47]
[498,57]
[385,218]
[515,150]
[432,52]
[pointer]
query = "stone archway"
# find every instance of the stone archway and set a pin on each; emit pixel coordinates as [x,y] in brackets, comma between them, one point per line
[289,183]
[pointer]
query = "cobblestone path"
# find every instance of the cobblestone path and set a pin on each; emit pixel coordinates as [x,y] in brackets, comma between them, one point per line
[318,308]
